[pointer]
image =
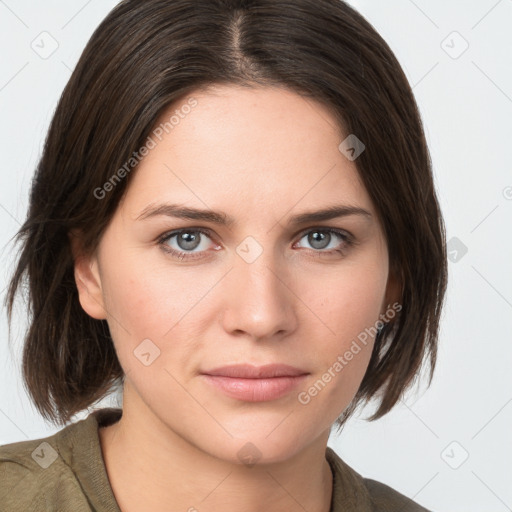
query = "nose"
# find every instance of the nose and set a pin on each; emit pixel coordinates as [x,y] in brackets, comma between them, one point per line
[259,299]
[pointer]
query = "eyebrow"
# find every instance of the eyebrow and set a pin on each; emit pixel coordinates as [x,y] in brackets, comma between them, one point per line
[222,219]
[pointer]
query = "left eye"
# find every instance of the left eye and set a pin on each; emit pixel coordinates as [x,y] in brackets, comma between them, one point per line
[320,238]
[189,239]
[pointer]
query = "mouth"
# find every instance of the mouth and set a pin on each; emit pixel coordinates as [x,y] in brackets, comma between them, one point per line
[255,384]
[248,371]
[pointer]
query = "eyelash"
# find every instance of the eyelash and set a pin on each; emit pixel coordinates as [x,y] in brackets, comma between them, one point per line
[347,239]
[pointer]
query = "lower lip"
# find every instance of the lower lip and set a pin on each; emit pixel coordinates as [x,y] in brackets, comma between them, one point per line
[255,390]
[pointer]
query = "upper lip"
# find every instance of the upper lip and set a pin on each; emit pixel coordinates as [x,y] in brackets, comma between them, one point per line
[248,371]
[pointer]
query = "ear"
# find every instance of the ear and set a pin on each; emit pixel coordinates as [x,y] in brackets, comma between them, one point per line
[394,290]
[87,279]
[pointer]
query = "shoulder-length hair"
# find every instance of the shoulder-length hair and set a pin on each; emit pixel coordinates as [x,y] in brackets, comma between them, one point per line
[144,56]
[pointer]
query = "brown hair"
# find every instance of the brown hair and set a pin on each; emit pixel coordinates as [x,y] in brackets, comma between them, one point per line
[144,56]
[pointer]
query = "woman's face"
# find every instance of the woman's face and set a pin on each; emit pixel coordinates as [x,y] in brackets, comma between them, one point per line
[262,289]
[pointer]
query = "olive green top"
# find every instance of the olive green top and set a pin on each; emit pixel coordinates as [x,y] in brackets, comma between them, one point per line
[65,472]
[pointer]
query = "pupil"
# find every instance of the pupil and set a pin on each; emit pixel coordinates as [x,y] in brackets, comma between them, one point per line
[189,241]
[318,236]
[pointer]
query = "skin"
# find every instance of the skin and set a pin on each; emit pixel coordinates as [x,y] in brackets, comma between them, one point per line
[260,155]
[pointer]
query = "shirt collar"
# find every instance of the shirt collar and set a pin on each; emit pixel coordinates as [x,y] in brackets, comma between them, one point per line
[349,494]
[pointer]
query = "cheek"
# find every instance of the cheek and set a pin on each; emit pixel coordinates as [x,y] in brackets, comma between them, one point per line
[347,308]
[346,302]
[136,302]
[149,295]
[147,301]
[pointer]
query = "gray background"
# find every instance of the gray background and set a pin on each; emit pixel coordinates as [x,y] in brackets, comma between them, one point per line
[449,446]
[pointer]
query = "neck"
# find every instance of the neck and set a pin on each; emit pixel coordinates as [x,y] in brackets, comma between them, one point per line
[151,467]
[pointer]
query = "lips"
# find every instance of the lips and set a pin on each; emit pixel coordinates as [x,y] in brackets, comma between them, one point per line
[255,383]
[247,371]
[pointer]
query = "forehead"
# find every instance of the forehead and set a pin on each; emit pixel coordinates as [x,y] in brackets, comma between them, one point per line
[264,149]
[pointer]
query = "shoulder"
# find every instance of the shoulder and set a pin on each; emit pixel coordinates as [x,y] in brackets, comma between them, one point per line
[385,498]
[370,495]
[50,473]
[33,476]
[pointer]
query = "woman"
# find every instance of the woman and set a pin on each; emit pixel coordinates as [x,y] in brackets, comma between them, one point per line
[234,218]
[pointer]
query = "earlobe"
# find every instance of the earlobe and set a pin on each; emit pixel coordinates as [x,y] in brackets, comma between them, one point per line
[88,280]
